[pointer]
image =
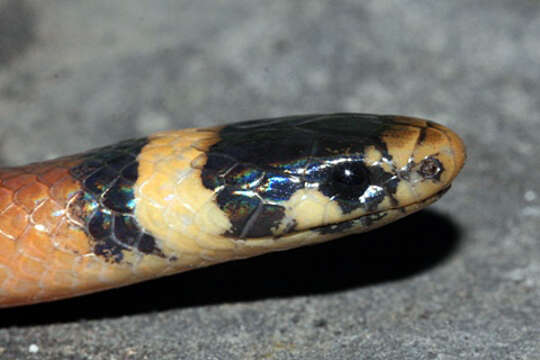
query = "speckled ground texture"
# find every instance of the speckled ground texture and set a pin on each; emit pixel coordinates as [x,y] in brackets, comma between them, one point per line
[458,281]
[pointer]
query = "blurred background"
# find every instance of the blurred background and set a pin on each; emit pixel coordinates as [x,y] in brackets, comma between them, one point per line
[460,280]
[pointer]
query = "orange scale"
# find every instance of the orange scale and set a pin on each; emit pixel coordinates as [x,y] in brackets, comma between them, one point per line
[48,215]
[54,286]
[15,183]
[35,243]
[7,255]
[62,279]
[6,198]
[53,175]
[20,291]
[10,173]
[13,221]
[95,273]
[86,266]
[5,273]
[30,269]
[31,195]
[63,189]
[70,239]
[60,260]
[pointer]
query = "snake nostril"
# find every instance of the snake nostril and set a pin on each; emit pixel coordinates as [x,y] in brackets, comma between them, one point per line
[431,168]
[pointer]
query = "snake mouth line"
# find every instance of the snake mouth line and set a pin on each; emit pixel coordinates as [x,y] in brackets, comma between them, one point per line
[369,221]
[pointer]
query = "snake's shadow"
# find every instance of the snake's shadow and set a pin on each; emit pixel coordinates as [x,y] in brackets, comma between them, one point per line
[396,251]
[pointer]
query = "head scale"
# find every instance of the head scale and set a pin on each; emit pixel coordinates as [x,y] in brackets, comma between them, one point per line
[341,172]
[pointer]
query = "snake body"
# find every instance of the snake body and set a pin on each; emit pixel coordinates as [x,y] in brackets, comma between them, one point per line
[179,200]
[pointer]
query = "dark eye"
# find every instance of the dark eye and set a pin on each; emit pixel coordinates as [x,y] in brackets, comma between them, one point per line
[350,174]
[347,181]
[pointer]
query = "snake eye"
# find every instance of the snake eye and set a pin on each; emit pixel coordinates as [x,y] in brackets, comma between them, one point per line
[349,180]
[349,174]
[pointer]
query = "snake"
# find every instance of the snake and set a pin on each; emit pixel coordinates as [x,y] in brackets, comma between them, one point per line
[184,199]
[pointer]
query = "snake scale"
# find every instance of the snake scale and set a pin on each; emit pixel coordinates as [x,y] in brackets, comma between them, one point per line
[180,200]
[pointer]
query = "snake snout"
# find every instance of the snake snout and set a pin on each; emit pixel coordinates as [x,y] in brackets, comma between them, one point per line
[427,157]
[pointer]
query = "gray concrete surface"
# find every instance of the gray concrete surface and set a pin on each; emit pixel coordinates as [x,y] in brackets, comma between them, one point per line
[458,281]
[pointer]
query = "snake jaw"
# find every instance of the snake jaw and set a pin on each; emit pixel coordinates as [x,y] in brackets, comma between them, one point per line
[377,219]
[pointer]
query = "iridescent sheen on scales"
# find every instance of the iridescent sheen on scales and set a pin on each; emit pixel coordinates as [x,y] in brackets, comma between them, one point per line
[105,205]
[184,199]
[324,152]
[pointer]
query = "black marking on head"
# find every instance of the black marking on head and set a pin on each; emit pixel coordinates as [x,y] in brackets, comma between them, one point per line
[335,228]
[249,216]
[389,183]
[363,221]
[421,136]
[105,205]
[259,164]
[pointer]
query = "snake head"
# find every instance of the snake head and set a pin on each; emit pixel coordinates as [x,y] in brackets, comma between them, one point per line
[328,174]
[183,199]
